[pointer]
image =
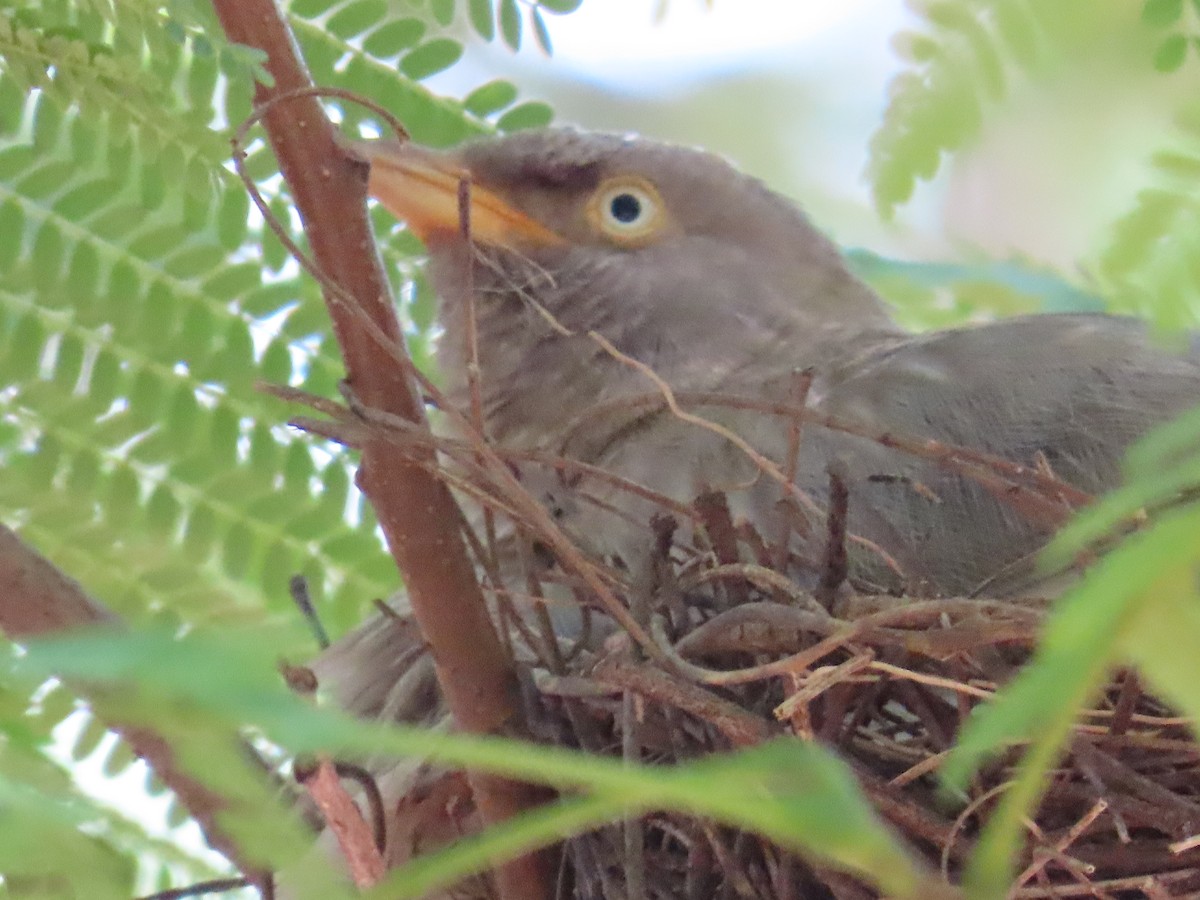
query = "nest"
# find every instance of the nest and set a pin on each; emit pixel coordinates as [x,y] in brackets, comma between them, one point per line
[740,653]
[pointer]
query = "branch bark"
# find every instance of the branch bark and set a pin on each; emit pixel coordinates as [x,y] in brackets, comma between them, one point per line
[36,599]
[415,509]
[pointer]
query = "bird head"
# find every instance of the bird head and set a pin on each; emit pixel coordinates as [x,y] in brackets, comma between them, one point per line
[681,261]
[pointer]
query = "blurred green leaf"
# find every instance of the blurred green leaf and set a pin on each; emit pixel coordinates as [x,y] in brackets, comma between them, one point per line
[540,32]
[443,11]
[393,37]
[531,114]
[803,797]
[430,58]
[1115,615]
[491,97]
[482,18]
[510,23]
[1161,13]
[1171,53]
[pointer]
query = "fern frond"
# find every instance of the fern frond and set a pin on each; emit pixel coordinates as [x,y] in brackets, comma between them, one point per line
[141,300]
[967,56]
[1150,263]
[958,63]
[138,337]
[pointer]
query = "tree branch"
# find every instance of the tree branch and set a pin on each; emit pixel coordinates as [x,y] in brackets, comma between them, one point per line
[36,599]
[415,509]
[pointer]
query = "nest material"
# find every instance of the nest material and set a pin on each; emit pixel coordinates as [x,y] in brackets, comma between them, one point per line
[741,654]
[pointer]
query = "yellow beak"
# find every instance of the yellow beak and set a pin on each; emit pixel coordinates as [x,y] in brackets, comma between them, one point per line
[422,188]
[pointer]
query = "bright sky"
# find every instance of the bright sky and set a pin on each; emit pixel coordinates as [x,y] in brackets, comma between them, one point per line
[789,89]
[606,36]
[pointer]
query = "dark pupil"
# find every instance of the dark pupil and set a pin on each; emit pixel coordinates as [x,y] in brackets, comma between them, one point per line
[625,208]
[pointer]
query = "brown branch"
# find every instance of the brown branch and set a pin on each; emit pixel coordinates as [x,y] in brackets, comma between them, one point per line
[343,818]
[415,509]
[741,728]
[36,600]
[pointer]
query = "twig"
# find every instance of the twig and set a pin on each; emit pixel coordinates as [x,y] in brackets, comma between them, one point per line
[794,663]
[342,817]
[835,567]
[743,729]
[820,681]
[1060,847]
[370,789]
[36,599]
[713,511]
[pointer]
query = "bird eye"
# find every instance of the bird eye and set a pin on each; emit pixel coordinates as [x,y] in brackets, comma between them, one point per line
[627,209]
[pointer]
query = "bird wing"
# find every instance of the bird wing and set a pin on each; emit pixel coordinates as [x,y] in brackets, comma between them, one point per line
[1065,392]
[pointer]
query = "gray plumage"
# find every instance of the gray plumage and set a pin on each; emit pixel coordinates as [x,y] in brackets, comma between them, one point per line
[734,292]
[740,292]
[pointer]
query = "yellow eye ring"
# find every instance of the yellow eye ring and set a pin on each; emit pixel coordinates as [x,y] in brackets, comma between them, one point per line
[627,210]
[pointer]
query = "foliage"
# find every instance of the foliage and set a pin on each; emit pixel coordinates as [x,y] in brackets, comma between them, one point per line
[799,789]
[140,301]
[1137,605]
[973,56]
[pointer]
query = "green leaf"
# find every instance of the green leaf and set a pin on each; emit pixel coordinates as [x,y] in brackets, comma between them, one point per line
[83,271]
[47,125]
[510,23]
[84,199]
[560,7]
[68,362]
[276,365]
[88,739]
[1161,13]
[105,382]
[491,97]
[194,261]
[238,551]
[392,38]
[354,18]
[232,225]
[540,31]
[443,11]
[200,533]
[482,17]
[1171,53]
[1093,626]
[25,348]
[1158,640]
[12,227]
[430,58]
[46,824]
[531,114]
[120,757]
[84,474]
[183,418]
[298,468]
[309,9]
[12,100]
[46,259]
[793,792]
[162,512]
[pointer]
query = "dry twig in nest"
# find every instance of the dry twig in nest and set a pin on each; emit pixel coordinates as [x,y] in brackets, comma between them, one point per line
[738,652]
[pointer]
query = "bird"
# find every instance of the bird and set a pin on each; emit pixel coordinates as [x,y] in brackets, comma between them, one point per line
[590,283]
[598,259]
